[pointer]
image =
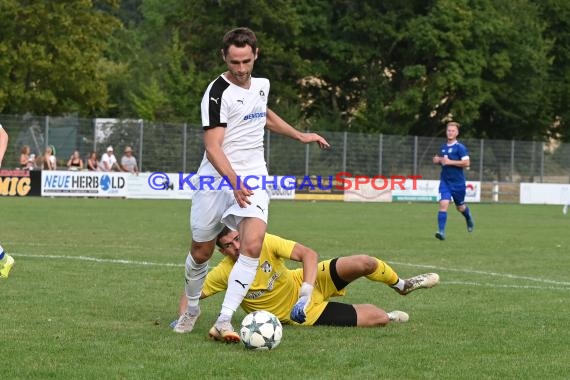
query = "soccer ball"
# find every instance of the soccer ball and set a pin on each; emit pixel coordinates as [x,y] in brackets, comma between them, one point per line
[261,330]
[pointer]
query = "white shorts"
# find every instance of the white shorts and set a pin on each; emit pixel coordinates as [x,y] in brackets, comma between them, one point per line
[212,209]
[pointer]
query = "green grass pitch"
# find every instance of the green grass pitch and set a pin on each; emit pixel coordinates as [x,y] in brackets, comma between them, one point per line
[96,283]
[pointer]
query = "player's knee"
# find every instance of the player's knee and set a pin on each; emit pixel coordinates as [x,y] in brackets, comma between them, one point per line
[367,263]
[251,248]
[201,252]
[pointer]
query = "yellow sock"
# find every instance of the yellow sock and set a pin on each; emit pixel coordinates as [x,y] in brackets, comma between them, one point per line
[384,273]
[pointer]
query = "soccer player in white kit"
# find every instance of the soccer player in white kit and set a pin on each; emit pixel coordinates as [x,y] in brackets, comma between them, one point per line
[234,118]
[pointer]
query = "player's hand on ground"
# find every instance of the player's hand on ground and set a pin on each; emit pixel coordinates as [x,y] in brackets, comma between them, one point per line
[307,138]
[242,197]
[299,311]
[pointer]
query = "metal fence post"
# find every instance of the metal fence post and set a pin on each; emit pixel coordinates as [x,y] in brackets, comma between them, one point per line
[141,128]
[184,145]
[94,121]
[481,153]
[512,161]
[380,149]
[415,164]
[344,145]
[542,162]
[47,130]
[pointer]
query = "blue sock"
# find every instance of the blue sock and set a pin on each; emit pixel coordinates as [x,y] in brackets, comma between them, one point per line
[441,220]
[467,213]
[1,253]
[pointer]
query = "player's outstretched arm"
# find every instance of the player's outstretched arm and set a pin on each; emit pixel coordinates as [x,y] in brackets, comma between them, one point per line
[280,126]
[309,258]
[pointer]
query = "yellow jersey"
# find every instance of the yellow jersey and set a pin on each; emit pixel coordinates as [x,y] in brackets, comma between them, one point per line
[275,288]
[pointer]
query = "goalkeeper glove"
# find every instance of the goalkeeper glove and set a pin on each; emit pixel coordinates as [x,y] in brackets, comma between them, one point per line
[299,312]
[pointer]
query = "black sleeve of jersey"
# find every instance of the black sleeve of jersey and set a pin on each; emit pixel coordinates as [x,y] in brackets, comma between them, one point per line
[215,103]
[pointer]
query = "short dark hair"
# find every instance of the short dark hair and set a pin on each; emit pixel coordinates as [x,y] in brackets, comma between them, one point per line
[239,37]
[226,230]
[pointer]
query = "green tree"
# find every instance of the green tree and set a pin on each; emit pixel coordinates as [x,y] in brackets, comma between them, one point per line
[52,56]
[404,67]
[556,13]
[180,53]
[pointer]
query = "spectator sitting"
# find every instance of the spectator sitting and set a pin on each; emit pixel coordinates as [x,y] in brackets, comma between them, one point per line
[109,161]
[129,162]
[49,160]
[75,162]
[27,159]
[92,162]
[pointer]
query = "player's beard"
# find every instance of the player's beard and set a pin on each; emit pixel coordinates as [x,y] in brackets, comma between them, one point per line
[242,79]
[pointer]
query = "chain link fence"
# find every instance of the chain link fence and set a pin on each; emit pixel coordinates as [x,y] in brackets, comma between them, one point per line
[171,147]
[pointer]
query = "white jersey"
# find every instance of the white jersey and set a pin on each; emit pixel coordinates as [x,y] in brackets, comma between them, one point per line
[243,113]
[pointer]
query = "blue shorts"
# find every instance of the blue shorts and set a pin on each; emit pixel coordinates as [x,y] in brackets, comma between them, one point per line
[448,193]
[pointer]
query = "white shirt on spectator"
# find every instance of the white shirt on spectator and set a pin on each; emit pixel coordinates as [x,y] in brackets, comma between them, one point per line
[107,161]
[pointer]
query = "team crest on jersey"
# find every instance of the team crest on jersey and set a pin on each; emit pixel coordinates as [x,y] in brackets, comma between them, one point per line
[262,95]
[266,267]
[449,150]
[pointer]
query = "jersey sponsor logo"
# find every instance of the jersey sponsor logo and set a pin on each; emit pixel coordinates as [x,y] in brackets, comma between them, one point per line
[272,280]
[215,100]
[254,115]
[241,283]
[259,207]
[255,294]
[240,101]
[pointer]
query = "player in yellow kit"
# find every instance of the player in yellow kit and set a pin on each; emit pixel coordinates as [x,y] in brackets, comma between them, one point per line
[276,288]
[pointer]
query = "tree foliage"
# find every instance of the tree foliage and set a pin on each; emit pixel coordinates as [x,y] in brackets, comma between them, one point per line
[501,67]
[51,59]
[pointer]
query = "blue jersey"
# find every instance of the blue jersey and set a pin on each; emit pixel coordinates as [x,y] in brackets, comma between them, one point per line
[451,175]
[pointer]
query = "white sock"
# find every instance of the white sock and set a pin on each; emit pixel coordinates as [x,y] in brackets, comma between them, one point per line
[241,277]
[400,284]
[195,275]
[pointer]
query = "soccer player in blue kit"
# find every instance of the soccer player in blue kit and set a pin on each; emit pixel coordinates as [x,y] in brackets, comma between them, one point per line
[453,157]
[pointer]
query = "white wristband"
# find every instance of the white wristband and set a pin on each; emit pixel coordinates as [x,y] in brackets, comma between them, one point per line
[306,290]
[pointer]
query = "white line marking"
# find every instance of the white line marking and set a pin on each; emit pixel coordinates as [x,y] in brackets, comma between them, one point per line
[495,274]
[434,267]
[493,285]
[94,259]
